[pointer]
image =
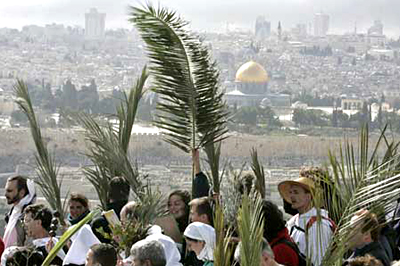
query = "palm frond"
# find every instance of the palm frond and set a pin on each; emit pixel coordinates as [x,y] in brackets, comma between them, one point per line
[251,228]
[190,111]
[376,191]
[150,206]
[108,147]
[213,151]
[224,249]
[349,169]
[230,193]
[127,110]
[258,170]
[361,180]
[46,167]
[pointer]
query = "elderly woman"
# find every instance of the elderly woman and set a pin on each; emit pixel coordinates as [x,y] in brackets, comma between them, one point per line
[201,239]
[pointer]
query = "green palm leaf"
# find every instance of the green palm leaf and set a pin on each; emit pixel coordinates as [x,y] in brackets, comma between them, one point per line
[127,110]
[224,248]
[67,235]
[350,167]
[213,152]
[190,110]
[362,180]
[376,191]
[108,147]
[46,167]
[251,228]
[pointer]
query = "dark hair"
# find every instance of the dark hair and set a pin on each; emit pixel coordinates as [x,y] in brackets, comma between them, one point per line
[24,256]
[246,183]
[42,213]
[79,198]
[274,220]
[203,206]
[119,189]
[21,183]
[193,240]
[104,254]
[185,195]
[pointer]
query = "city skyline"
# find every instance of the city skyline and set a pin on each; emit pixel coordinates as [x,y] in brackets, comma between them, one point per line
[211,15]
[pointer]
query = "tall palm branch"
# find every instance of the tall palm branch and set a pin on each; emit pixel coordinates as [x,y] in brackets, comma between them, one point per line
[127,110]
[362,181]
[223,249]
[46,166]
[251,229]
[108,147]
[190,111]
[213,152]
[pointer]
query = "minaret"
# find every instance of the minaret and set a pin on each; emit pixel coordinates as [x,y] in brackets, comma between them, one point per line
[279,31]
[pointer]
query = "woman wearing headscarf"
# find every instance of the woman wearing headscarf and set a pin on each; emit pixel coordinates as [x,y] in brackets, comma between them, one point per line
[201,239]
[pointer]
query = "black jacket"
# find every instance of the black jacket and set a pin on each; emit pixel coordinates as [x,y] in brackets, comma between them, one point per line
[101,221]
[374,249]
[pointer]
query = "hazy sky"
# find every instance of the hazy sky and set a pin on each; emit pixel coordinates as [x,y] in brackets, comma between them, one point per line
[211,14]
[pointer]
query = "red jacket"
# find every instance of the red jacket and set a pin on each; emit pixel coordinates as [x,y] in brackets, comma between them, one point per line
[1,246]
[283,253]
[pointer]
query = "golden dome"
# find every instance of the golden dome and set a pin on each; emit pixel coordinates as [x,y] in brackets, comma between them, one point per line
[251,72]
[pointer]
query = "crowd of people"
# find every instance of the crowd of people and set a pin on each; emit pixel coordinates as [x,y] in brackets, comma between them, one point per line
[190,239]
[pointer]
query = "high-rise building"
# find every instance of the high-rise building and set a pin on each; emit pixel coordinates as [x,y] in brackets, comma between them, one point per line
[376,29]
[321,24]
[263,28]
[94,24]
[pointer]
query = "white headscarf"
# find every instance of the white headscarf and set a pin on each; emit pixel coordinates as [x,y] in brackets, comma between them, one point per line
[81,243]
[172,254]
[10,233]
[202,232]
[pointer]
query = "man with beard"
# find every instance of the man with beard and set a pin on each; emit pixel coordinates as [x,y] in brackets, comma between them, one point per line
[19,192]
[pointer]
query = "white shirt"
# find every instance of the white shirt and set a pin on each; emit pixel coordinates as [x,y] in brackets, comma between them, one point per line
[319,235]
[41,242]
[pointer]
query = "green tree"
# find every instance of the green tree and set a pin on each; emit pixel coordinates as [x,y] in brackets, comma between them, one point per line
[268,117]
[88,98]
[69,96]
[246,115]
[365,115]
[310,117]
[48,99]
